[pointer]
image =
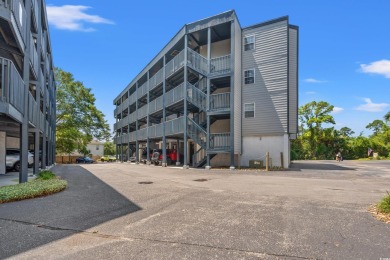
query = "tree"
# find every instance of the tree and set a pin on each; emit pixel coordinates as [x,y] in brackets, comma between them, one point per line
[78,119]
[312,117]
[376,126]
[346,132]
[109,148]
[387,117]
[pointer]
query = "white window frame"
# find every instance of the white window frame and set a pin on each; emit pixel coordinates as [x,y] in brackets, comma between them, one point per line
[254,109]
[254,76]
[254,42]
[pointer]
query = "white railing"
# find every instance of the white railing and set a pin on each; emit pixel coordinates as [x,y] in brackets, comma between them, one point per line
[156,79]
[142,112]
[156,105]
[175,64]
[143,90]
[220,64]
[220,101]
[197,62]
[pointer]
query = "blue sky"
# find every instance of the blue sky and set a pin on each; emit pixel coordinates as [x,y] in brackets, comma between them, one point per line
[344,52]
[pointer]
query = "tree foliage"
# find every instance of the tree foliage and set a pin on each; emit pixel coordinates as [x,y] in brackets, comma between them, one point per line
[109,148]
[318,139]
[78,119]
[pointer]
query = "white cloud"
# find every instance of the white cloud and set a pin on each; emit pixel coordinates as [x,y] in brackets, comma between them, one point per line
[73,18]
[337,110]
[310,92]
[372,107]
[311,80]
[381,67]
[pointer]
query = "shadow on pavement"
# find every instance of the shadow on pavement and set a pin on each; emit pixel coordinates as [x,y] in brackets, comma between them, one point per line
[298,166]
[87,202]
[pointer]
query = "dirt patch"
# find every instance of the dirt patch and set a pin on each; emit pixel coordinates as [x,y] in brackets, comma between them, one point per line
[145,182]
[379,216]
[201,180]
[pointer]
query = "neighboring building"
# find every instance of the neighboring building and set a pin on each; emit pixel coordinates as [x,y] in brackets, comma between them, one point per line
[27,86]
[221,94]
[96,148]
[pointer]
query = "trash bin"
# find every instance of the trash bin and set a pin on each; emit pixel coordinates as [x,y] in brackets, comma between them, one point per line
[256,164]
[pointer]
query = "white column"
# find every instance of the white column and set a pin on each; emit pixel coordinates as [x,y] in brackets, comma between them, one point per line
[286,151]
[2,152]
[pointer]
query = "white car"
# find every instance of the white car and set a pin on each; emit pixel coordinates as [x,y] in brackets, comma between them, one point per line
[13,159]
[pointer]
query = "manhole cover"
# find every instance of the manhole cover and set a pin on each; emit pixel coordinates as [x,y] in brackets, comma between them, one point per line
[201,180]
[145,182]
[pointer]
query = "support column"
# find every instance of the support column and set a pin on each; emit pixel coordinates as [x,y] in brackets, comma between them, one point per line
[136,126]
[232,51]
[177,153]
[164,148]
[3,152]
[24,125]
[148,124]
[185,161]
[208,166]
[36,152]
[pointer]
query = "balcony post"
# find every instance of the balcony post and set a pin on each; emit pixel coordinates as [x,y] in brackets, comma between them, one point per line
[232,49]
[208,166]
[136,126]
[185,161]
[164,148]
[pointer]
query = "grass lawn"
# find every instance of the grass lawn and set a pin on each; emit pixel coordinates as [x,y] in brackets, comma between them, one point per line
[45,184]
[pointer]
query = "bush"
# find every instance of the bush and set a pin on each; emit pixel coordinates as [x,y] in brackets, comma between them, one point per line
[384,204]
[28,190]
[46,175]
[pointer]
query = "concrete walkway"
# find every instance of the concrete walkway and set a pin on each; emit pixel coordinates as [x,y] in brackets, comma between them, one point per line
[317,210]
[11,177]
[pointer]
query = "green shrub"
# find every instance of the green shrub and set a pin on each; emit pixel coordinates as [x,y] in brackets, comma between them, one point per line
[384,204]
[46,175]
[36,188]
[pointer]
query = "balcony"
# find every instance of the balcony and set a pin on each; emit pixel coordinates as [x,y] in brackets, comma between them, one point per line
[143,90]
[220,65]
[12,85]
[197,62]
[156,80]
[174,65]
[220,142]
[156,105]
[33,110]
[16,18]
[174,95]
[220,102]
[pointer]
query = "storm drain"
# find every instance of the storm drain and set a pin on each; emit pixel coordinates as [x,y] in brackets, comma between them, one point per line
[201,180]
[145,182]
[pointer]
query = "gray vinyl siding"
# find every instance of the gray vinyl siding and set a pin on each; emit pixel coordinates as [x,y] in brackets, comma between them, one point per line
[237,88]
[293,80]
[270,91]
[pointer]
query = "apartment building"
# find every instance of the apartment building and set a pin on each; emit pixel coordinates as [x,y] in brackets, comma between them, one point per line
[218,94]
[27,85]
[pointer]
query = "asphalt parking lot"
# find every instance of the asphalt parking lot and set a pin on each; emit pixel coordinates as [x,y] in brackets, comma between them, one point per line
[315,210]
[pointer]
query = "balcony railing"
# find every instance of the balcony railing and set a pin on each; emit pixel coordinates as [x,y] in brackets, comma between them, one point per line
[42,120]
[220,65]
[12,89]
[174,126]
[174,95]
[175,64]
[156,105]
[156,79]
[197,133]
[33,110]
[19,13]
[220,101]
[143,90]
[142,112]
[197,62]
[196,96]
[220,141]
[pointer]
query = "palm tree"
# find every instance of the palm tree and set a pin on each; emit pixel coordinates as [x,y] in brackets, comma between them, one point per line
[387,117]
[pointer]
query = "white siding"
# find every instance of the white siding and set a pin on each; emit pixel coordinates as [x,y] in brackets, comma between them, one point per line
[237,89]
[293,81]
[270,91]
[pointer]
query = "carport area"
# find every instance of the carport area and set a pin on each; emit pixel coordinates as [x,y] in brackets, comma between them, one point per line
[316,210]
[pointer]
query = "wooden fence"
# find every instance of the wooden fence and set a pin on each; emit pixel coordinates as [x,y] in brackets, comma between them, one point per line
[66,159]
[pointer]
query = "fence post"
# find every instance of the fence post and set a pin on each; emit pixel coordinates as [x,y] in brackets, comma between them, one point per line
[267,162]
[281,159]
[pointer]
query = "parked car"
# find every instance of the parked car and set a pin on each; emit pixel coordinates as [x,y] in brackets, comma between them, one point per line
[84,160]
[13,159]
[144,155]
[108,158]
[157,156]
[40,156]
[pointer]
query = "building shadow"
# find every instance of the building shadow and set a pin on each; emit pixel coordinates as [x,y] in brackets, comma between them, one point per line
[298,166]
[87,202]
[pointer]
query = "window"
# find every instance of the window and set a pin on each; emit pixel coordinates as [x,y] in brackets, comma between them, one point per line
[249,43]
[249,110]
[249,76]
